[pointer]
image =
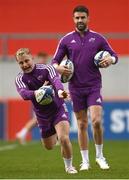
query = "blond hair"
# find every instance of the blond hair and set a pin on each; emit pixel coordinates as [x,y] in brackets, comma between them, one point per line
[22,52]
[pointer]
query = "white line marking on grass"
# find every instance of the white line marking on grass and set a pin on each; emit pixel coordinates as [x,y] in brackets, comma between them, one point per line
[13,146]
[8,147]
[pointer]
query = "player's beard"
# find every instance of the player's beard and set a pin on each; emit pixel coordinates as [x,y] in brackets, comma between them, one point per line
[81,26]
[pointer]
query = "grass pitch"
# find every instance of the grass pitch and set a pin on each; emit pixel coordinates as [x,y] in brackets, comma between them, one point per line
[31,161]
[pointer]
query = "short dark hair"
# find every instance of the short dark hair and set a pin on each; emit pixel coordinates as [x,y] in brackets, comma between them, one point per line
[81,8]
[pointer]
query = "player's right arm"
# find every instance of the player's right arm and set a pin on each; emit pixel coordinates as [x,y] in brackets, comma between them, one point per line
[22,88]
[60,53]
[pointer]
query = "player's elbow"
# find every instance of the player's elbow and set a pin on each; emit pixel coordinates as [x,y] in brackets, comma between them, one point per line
[25,98]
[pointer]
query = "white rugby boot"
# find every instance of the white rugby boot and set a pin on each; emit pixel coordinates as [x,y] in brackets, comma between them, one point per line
[84,166]
[101,161]
[71,170]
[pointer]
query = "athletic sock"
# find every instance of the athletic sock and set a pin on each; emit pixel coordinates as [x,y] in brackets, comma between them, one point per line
[85,155]
[67,162]
[23,133]
[99,150]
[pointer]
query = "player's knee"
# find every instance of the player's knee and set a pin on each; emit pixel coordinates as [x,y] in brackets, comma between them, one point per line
[64,139]
[82,125]
[48,146]
[96,123]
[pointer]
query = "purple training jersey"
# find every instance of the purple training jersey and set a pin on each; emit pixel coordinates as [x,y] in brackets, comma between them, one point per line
[27,83]
[81,50]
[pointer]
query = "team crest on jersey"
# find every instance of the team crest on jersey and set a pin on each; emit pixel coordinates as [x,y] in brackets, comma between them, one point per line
[40,77]
[91,39]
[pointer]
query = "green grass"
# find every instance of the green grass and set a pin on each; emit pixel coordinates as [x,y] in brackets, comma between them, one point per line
[33,161]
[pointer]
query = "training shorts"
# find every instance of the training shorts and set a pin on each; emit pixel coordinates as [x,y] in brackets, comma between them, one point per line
[83,98]
[47,127]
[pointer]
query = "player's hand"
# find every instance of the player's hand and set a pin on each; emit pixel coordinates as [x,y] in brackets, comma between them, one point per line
[62,69]
[63,94]
[106,62]
[39,94]
[46,83]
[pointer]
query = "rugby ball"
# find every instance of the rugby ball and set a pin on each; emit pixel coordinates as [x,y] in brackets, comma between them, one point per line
[99,57]
[45,95]
[69,64]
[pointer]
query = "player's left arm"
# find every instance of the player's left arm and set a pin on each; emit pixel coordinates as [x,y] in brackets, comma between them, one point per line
[107,61]
[111,58]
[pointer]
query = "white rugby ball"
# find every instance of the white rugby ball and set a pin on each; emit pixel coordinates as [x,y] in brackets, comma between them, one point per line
[46,96]
[69,64]
[100,56]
